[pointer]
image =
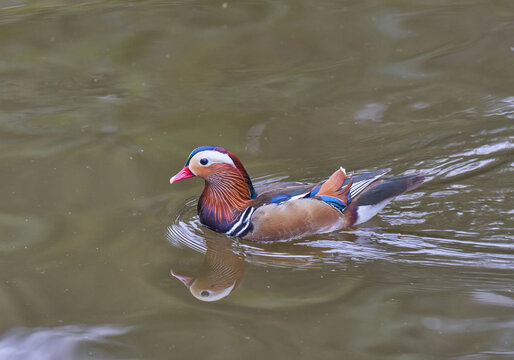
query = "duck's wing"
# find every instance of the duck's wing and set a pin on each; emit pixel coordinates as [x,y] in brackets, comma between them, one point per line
[335,190]
[360,182]
[339,190]
[290,210]
[378,194]
[272,194]
[279,192]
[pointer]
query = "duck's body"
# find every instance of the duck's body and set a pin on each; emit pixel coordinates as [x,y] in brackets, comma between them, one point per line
[229,203]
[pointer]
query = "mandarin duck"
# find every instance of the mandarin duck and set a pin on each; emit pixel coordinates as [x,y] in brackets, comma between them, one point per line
[219,275]
[231,205]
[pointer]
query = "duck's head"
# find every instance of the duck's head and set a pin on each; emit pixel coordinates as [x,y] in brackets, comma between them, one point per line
[221,272]
[214,164]
[206,289]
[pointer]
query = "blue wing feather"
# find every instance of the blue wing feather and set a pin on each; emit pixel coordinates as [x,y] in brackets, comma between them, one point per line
[333,201]
[315,190]
[280,198]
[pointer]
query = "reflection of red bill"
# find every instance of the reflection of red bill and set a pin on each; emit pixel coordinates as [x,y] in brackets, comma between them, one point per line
[186,280]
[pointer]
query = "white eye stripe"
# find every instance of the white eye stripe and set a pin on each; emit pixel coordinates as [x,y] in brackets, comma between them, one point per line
[214,157]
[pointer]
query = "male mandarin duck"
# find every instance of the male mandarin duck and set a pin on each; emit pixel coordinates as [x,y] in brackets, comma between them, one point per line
[231,205]
[219,275]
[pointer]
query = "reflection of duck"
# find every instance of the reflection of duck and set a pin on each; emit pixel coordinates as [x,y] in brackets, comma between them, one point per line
[220,273]
[224,263]
[229,204]
[224,266]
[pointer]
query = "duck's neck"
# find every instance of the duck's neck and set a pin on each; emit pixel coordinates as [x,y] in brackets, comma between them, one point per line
[225,196]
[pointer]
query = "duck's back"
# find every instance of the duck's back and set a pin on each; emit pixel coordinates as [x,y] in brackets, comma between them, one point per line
[286,210]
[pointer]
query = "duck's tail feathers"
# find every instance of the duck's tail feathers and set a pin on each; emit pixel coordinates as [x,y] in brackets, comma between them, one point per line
[362,181]
[378,194]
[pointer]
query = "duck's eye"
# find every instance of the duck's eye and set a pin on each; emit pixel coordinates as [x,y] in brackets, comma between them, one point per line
[205,293]
[204,161]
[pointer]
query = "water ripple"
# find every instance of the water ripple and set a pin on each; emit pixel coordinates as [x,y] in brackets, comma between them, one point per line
[64,342]
[360,245]
[500,107]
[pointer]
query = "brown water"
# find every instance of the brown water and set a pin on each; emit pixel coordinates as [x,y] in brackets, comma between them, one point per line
[102,101]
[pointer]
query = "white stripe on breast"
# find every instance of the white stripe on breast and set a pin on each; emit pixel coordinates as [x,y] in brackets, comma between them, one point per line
[244,218]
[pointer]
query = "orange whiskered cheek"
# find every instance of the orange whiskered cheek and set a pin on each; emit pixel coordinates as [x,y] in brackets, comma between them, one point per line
[221,170]
[213,171]
[199,170]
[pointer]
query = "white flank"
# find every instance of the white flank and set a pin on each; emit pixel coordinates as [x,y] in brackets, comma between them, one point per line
[366,212]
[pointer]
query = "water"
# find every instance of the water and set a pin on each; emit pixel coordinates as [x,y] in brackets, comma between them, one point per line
[102,101]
